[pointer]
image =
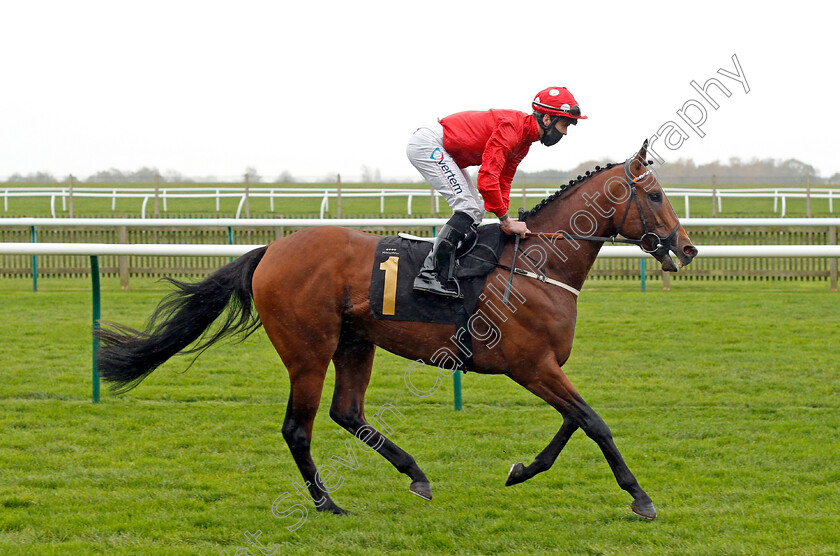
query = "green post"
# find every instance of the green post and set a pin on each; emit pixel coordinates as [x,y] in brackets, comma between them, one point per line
[230,238]
[34,262]
[456,382]
[643,272]
[94,277]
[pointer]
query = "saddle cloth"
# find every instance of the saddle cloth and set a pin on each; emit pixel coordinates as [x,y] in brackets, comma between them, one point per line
[397,263]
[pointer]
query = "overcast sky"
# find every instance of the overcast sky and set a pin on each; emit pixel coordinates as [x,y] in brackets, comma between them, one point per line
[319,87]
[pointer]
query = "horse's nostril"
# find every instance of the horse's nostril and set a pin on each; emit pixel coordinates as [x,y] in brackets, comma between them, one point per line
[690,250]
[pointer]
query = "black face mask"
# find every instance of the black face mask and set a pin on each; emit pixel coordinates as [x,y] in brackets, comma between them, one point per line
[550,134]
[551,137]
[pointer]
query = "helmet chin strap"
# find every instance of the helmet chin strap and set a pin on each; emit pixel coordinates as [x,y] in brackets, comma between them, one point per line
[550,136]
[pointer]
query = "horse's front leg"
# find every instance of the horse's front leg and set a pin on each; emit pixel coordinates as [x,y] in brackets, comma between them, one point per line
[596,429]
[519,473]
[552,385]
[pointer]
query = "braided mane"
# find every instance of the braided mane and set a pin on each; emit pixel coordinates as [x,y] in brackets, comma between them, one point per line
[563,189]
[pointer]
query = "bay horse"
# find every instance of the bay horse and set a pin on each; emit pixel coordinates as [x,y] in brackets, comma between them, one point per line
[311,294]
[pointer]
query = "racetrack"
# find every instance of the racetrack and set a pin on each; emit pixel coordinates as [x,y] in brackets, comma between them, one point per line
[723,398]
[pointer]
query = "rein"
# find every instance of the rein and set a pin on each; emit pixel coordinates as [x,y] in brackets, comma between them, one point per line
[564,235]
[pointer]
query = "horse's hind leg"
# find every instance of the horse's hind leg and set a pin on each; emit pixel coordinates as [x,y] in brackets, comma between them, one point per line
[307,381]
[305,348]
[353,362]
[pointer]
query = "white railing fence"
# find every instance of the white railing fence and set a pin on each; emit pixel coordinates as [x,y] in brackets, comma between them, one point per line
[780,195]
[361,222]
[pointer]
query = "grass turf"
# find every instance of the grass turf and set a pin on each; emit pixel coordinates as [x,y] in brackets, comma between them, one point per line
[723,398]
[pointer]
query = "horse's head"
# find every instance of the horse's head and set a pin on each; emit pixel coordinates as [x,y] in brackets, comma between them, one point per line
[644,213]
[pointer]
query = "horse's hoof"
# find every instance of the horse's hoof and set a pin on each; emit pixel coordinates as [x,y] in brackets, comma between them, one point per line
[334,509]
[421,489]
[644,508]
[516,474]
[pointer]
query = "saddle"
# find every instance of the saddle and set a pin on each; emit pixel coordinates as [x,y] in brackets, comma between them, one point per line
[398,260]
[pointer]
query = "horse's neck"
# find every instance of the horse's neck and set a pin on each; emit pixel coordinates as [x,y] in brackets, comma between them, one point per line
[570,260]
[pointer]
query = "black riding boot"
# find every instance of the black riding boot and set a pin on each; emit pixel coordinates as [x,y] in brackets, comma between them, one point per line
[437,274]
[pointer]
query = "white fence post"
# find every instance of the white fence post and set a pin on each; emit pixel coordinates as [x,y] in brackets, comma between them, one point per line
[714,195]
[325,204]
[242,201]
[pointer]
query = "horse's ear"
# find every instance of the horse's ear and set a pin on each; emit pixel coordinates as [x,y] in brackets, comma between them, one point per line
[642,154]
[637,168]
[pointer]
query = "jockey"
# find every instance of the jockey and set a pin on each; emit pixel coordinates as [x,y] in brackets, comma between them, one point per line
[497,140]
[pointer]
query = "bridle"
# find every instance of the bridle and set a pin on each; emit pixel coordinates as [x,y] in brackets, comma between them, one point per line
[650,242]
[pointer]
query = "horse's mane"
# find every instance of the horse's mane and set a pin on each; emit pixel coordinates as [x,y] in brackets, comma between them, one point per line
[563,189]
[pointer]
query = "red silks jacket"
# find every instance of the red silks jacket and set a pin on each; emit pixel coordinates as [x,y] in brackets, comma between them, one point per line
[498,140]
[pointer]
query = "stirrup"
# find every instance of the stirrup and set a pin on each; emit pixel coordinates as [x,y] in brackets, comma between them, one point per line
[435,286]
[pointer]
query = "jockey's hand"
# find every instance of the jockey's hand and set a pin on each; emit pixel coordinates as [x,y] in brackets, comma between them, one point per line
[514,227]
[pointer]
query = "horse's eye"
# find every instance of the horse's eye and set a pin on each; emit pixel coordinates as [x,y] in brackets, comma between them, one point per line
[655,197]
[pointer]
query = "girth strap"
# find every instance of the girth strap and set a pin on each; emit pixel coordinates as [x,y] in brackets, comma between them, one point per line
[528,274]
[541,277]
[463,341]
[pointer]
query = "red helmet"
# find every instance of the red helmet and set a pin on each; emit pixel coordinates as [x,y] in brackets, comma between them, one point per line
[557,101]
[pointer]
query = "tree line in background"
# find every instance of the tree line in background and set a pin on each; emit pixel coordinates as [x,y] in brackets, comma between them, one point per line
[685,171]
[681,171]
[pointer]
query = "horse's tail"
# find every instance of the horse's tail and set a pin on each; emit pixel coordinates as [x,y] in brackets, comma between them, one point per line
[127,356]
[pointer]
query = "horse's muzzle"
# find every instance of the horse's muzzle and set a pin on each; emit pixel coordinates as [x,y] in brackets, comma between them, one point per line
[680,245]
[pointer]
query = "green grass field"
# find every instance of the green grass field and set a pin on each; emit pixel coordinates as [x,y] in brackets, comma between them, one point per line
[723,398]
[101,207]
